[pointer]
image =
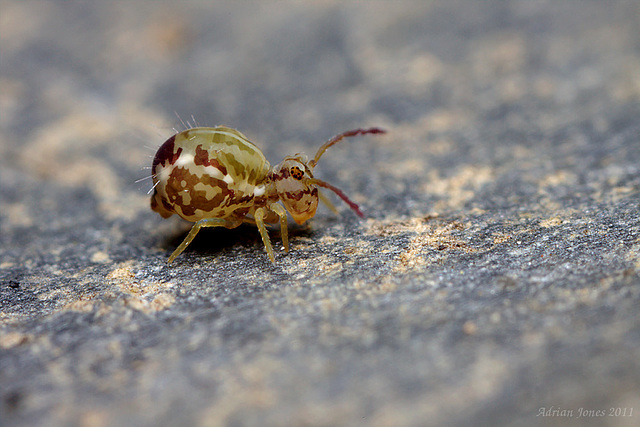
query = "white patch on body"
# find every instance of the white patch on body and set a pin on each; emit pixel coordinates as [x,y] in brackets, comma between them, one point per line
[185,159]
[259,191]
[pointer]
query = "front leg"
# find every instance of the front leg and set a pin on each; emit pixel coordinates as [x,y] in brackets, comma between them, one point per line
[284,232]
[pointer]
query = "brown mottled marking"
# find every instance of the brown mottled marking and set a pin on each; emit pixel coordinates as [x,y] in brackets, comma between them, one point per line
[202,158]
[165,152]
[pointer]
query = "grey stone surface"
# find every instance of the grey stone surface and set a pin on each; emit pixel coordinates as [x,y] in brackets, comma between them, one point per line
[497,273]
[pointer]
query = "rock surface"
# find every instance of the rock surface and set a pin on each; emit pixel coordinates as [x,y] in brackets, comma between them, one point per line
[495,281]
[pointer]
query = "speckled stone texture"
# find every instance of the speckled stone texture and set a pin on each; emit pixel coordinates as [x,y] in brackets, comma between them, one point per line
[495,280]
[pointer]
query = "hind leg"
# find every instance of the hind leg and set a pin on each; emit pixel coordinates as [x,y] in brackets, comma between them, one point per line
[259,216]
[209,222]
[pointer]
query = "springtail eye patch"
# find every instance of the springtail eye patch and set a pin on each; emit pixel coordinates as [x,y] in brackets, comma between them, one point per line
[296,173]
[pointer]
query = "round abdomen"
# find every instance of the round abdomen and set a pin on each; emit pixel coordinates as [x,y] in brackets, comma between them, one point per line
[208,173]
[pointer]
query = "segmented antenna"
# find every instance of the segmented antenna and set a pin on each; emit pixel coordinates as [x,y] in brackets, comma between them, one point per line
[339,138]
